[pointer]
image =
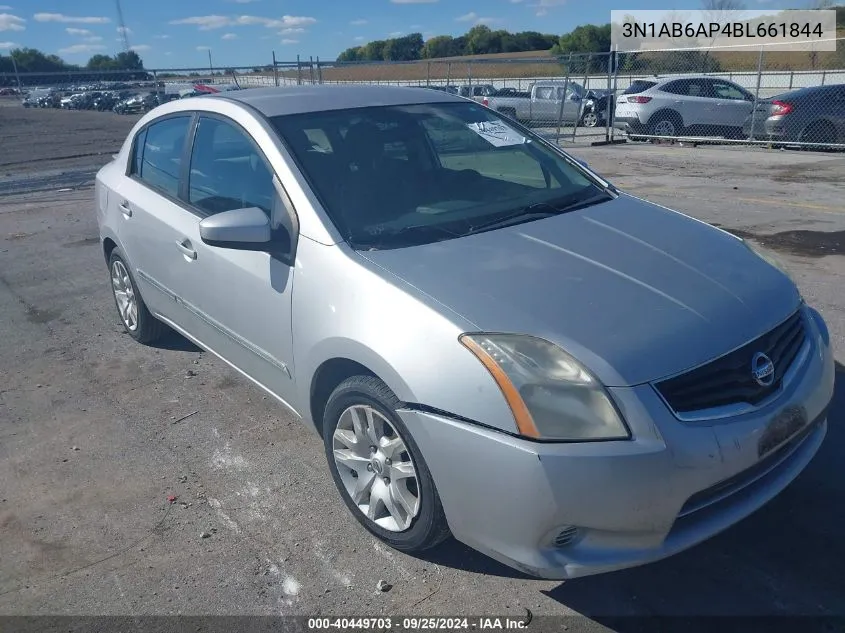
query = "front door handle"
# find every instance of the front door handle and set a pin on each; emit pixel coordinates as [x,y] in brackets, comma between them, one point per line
[125,209]
[187,251]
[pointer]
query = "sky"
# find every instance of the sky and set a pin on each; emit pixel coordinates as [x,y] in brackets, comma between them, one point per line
[180,33]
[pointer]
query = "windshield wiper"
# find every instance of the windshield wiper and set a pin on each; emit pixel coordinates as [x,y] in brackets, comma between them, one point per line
[539,210]
[378,240]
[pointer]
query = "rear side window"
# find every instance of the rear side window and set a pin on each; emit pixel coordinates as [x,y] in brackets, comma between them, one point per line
[639,86]
[160,161]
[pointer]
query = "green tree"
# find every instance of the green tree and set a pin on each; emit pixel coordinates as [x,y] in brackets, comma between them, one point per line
[440,46]
[584,39]
[403,49]
[353,54]
[373,51]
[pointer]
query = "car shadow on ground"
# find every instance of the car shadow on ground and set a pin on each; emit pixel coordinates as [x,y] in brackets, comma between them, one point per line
[784,560]
[173,341]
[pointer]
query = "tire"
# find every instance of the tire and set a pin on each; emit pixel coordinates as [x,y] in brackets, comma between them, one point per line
[590,119]
[419,522]
[666,123]
[138,323]
[818,132]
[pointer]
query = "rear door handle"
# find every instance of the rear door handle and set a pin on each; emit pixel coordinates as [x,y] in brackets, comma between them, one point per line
[187,251]
[125,209]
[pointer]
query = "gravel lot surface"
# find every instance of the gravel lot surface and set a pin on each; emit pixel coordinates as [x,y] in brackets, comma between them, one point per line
[97,431]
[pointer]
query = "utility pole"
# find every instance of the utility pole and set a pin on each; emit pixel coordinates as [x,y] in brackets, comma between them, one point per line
[15,66]
[210,65]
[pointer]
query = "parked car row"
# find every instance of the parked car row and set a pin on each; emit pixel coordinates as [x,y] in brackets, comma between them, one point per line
[544,103]
[713,107]
[121,102]
[695,105]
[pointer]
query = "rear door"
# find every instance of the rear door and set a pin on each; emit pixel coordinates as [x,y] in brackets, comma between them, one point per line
[154,219]
[692,99]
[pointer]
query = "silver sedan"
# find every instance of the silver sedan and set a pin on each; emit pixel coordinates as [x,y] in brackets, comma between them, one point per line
[493,341]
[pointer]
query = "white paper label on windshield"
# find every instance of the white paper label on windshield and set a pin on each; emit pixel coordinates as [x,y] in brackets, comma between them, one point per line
[497,133]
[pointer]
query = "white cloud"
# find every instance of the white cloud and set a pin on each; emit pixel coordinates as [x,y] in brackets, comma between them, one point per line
[476,19]
[291,31]
[541,12]
[124,30]
[69,19]
[161,37]
[358,22]
[211,22]
[359,39]
[4,46]
[73,31]
[140,48]
[229,36]
[5,7]
[286,42]
[9,22]
[78,49]
[395,34]
[206,22]
[93,38]
[203,48]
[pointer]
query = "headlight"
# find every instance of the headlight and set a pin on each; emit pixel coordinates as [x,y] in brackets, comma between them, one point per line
[769,257]
[551,394]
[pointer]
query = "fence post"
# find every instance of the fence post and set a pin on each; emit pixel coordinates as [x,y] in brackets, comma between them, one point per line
[311,68]
[427,74]
[587,67]
[319,72]
[155,81]
[298,71]
[791,77]
[756,93]
[824,74]
[562,99]
[612,85]
[469,77]
[448,73]
[275,70]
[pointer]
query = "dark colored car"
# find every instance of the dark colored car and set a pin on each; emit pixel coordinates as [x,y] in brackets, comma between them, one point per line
[806,115]
[596,108]
[137,104]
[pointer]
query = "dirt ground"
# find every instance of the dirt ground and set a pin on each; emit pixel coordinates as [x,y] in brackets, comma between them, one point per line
[96,432]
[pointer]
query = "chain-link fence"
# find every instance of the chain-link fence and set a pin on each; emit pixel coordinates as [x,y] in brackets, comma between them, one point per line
[713,96]
[716,96]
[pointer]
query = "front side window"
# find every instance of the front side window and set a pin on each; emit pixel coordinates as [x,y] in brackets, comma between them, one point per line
[725,90]
[158,154]
[395,176]
[228,171]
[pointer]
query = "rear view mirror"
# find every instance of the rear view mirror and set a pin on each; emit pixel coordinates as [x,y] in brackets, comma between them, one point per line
[244,229]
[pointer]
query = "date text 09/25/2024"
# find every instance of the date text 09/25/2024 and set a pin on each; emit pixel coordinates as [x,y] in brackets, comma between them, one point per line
[418,623]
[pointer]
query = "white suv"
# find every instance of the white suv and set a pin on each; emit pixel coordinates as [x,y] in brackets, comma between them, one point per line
[676,106]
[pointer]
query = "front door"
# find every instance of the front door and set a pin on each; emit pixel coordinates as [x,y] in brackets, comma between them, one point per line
[244,297]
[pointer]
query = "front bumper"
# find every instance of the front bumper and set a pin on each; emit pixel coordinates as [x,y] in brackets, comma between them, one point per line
[672,486]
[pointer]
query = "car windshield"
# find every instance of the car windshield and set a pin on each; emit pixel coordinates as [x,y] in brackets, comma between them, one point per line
[395,176]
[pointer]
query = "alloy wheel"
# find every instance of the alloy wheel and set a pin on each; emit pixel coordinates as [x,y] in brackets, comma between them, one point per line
[376,468]
[124,294]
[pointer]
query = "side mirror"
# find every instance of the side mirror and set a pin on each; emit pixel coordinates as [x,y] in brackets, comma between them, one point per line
[242,229]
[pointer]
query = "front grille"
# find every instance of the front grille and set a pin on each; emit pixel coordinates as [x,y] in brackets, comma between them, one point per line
[728,380]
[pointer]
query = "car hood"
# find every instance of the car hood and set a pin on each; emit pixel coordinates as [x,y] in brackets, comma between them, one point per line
[635,291]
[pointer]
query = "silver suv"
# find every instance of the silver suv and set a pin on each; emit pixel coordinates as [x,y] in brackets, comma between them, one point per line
[676,106]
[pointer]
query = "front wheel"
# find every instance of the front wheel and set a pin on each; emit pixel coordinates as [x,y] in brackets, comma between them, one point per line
[590,119]
[378,468]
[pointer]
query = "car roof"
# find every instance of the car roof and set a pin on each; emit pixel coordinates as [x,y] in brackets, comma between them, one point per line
[317,98]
